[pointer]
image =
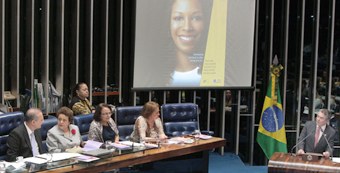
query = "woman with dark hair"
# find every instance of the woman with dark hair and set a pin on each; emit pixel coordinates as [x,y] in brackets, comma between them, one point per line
[64,136]
[189,24]
[148,125]
[80,104]
[103,128]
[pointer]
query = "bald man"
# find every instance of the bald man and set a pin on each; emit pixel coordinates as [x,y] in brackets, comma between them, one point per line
[25,140]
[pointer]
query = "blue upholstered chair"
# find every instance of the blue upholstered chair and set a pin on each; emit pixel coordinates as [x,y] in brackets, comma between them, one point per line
[125,119]
[47,125]
[83,122]
[180,118]
[8,122]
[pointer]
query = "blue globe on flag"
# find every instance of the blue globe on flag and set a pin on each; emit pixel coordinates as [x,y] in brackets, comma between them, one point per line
[272,119]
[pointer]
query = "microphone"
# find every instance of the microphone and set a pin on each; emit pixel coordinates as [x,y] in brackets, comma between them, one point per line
[291,151]
[329,146]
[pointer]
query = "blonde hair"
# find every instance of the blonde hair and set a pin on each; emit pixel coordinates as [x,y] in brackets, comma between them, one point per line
[149,108]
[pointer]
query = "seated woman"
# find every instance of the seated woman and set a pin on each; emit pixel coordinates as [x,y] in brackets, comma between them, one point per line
[79,103]
[148,126]
[103,128]
[64,136]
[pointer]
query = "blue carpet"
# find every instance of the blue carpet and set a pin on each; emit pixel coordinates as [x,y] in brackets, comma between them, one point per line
[230,162]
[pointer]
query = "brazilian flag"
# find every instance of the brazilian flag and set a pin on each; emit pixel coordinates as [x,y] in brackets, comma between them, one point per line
[271,134]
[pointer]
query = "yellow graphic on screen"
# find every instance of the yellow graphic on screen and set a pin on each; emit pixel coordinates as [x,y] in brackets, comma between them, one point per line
[215,54]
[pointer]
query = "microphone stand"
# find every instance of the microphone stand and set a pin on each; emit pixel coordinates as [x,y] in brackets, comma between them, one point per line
[291,151]
[329,146]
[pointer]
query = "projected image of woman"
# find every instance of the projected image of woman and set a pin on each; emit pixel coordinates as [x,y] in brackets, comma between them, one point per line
[189,22]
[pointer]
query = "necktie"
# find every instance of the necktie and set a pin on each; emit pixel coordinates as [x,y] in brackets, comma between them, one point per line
[34,145]
[317,134]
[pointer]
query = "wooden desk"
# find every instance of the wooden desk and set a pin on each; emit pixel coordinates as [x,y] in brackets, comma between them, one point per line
[285,162]
[166,151]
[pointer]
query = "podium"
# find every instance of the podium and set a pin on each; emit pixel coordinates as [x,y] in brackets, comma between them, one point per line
[286,162]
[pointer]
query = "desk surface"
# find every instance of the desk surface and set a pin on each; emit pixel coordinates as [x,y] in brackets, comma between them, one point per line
[285,162]
[151,155]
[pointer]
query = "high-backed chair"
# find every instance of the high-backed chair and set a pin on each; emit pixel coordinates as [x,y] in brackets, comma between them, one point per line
[8,122]
[125,119]
[47,125]
[83,122]
[180,118]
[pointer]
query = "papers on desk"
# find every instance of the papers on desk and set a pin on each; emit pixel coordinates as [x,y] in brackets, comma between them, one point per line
[55,156]
[92,145]
[35,160]
[124,145]
[129,143]
[44,158]
[180,140]
[121,146]
[148,145]
[336,159]
[16,165]
[201,136]
[50,157]
[85,158]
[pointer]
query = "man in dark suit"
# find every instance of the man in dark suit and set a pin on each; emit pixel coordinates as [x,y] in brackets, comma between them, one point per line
[317,130]
[25,140]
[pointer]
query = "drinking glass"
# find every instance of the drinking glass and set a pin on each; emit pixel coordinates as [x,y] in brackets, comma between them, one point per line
[108,145]
[196,135]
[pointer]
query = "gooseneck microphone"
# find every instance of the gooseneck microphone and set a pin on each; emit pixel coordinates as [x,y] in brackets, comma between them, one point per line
[329,146]
[291,151]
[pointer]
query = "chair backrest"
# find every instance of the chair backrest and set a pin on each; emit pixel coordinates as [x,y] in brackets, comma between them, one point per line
[45,126]
[3,147]
[8,122]
[83,122]
[180,118]
[125,119]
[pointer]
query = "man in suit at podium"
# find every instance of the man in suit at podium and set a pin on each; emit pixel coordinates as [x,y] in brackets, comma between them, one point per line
[313,136]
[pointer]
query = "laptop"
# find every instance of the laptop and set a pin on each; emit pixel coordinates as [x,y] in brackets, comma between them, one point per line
[97,152]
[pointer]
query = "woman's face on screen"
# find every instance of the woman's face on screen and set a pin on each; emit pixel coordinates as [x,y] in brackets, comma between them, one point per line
[186,24]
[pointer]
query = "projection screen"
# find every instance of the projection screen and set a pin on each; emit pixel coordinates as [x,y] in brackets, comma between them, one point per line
[190,44]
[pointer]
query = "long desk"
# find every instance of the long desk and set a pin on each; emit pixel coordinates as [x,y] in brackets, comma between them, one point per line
[166,151]
[285,162]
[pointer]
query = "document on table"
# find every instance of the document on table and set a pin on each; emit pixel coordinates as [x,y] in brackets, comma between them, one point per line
[92,145]
[35,160]
[201,136]
[149,145]
[129,143]
[120,146]
[57,156]
[180,140]
[16,165]
[86,158]
[336,159]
